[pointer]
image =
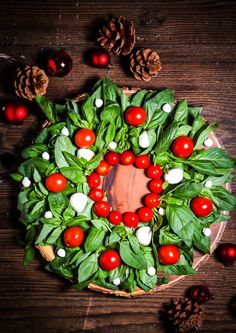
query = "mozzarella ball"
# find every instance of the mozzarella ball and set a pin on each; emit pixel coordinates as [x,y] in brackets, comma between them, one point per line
[116,281]
[98,102]
[26,182]
[208,142]
[161,211]
[166,108]
[65,131]
[112,145]
[86,153]
[174,176]
[78,201]
[144,235]
[143,140]
[48,214]
[151,271]
[46,156]
[208,184]
[61,253]
[206,232]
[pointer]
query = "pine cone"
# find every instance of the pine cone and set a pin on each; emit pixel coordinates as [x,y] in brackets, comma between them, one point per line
[118,36]
[30,82]
[186,316]
[145,64]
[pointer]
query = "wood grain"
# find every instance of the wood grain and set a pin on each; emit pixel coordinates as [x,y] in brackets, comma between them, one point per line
[197,45]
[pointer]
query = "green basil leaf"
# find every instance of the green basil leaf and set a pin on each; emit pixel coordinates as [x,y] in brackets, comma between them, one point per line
[88,268]
[110,112]
[167,138]
[100,223]
[187,190]
[149,281]
[42,137]
[63,144]
[35,150]
[28,254]
[222,198]
[88,111]
[57,203]
[57,266]
[36,211]
[178,269]
[195,111]
[181,113]
[54,235]
[203,135]
[73,161]
[26,168]
[183,130]
[74,174]
[135,260]
[197,125]
[16,176]
[168,237]
[134,243]
[129,284]
[68,213]
[47,107]
[45,231]
[94,239]
[94,162]
[138,98]
[201,242]
[110,133]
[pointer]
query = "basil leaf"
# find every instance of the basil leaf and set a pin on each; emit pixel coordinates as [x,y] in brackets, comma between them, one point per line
[110,133]
[36,211]
[168,237]
[195,111]
[42,136]
[161,158]
[135,260]
[57,266]
[47,107]
[222,198]
[134,243]
[197,124]
[178,269]
[34,150]
[94,162]
[54,235]
[181,113]
[201,242]
[110,112]
[183,130]
[28,254]
[188,190]
[138,98]
[94,239]
[167,138]
[203,135]
[88,111]
[100,223]
[87,268]
[148,281]
[62,145]
[57,203]
[181,221]
[16,176]
[129,284]
[26,168]
[72,160]
[45,231]
[74,174]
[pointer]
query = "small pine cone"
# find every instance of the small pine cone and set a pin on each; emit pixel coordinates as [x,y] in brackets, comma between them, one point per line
[145,64]
[30,82]
[186,316]
[118,36]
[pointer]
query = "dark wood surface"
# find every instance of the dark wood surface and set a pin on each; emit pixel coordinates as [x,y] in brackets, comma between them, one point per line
[196,41]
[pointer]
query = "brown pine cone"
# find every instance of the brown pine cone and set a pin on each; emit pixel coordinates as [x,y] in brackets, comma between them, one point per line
[145,64]
[118,36]
[186,315]
[30,82]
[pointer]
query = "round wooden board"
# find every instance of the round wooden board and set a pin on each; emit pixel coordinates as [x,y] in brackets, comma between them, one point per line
[125,188]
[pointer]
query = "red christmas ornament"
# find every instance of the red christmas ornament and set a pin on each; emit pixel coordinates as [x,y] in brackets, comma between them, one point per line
[15,113]
[226,253]
[100,58]
[200,293]
[59,63]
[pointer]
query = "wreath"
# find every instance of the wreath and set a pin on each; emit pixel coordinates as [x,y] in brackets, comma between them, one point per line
[63,205]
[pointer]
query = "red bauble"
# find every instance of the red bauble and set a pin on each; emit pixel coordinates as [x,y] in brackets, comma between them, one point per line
[200,293]
[15,113]
[226,253]
[100,58]
[59,63]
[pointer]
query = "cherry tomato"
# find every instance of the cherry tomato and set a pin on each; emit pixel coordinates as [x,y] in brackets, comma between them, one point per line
[155,186]
[96,194]
[168,254]
[154,171]
[112,158]
[115,217]
[127,157]
[73,236]
[101,208]
[182,146]
[103,168]
[93,180]
[130,219]
[109,260]
[84,138]
[145,214]
[142,161]
[135,116]
[201,206]
[152,200]
[56,182]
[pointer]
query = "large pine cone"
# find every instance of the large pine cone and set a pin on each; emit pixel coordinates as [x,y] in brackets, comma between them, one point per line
[186,316]
[118,36]
[145,64]
[30,82]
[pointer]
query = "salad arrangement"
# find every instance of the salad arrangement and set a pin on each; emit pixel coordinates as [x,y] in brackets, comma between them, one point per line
[62,203]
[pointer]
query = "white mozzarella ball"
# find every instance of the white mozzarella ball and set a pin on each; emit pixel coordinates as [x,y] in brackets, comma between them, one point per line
[48,214]
[166,108]
[112,145]
[98,102]
[144,235]
[206,232]
[26,182]
[46,156]
[208,184]
[78,201]
[174,176]
[116,281]
[86,153]
[208,142]
[151,271]
[61,253]
[161,211]
[143,140]
[65,131]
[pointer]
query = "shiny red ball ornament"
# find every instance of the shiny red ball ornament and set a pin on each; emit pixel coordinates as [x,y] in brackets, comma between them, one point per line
[100,58]
[15,113]
[200,293]
[59,63]
[226,253]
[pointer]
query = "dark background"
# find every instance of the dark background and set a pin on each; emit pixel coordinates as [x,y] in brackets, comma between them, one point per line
[197,45]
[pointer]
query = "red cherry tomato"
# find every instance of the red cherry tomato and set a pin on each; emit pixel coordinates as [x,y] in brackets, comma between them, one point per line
[127,157]
[130,219]
[115,217]
[112,158]
[84,138]
[101,208]
[56,182]
[96,194]
[135,116]
[168,254]
[201,206]
[103,168]
[155,186]
[182,146]
[154,171]
[73,236]
[93,180]
[152,200]
[109,260]
[142,161]
[145,214]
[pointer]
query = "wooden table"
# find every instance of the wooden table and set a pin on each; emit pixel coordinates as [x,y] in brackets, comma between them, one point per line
[196,41]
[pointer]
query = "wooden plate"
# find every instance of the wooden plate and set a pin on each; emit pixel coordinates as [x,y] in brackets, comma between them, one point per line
[125,187]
